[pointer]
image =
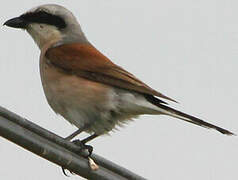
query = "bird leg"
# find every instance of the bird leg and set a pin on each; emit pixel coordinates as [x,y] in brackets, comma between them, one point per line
[84,141]
[82,144]
[71,136]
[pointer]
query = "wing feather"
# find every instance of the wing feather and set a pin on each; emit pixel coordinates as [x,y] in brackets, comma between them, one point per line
[86,61]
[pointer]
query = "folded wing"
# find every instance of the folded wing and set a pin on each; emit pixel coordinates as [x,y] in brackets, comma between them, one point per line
[86,61]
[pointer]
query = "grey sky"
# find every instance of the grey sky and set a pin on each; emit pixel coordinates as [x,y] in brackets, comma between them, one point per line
[187,50]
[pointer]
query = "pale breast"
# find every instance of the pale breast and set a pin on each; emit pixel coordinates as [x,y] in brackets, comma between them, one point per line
[79,100]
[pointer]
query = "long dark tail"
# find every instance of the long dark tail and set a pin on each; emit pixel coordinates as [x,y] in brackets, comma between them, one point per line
[180,115]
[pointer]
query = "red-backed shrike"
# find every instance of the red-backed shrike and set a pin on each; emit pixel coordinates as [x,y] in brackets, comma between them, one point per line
[83,85]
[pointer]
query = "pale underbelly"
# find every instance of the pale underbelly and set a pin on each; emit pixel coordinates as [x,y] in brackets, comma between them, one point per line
[86,103]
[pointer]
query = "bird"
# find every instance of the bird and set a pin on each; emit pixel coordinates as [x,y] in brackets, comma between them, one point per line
[84,86]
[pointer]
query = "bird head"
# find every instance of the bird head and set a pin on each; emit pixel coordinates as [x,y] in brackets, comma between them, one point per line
[49,23]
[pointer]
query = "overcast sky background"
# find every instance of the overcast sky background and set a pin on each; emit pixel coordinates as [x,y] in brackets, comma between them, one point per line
[186,49]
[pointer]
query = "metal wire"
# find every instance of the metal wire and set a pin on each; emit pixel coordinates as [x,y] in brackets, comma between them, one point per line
[58,150]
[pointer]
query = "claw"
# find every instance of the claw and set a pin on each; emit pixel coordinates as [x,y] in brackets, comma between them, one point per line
[63,170]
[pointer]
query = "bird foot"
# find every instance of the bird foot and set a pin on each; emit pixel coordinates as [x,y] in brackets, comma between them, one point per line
[89,148]
[84,147]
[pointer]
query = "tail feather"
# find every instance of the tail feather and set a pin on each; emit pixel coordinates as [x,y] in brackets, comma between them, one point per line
[180,115]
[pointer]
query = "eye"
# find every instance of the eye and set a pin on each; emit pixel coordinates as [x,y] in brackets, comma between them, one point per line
[41,26]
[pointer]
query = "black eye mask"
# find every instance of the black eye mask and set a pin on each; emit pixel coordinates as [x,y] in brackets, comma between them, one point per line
[45,18]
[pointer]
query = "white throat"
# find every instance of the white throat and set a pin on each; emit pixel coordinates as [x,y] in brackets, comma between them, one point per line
[43,34]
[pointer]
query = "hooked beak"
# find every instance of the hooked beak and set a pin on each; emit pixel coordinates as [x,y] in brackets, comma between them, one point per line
[17,22]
